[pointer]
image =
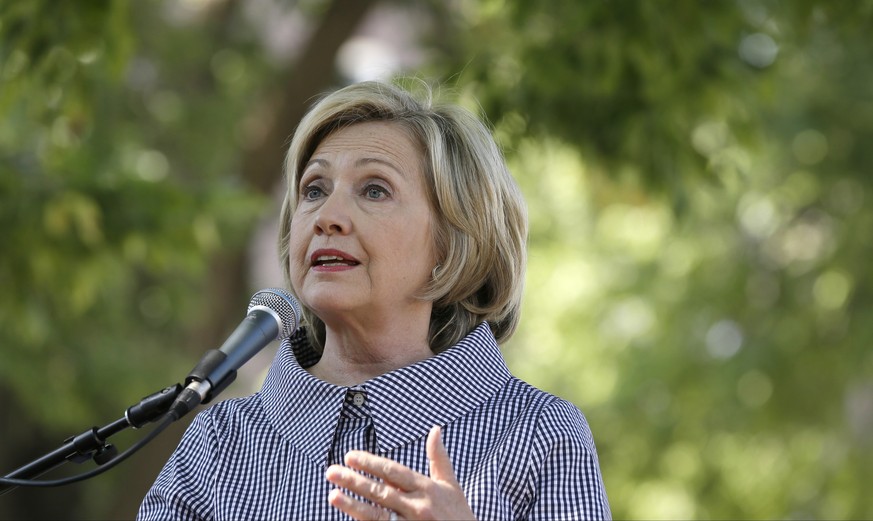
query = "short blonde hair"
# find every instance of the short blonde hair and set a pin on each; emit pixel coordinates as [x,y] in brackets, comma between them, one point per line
[480,219]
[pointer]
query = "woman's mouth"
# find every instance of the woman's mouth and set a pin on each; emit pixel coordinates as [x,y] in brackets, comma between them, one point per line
[332,259]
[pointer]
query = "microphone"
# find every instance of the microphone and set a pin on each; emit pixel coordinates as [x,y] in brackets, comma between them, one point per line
[272,314]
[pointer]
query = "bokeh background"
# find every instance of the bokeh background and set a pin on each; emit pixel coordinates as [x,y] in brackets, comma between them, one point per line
[698,182]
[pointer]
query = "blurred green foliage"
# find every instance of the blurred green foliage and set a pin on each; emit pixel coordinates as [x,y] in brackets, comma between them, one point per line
[700,244]
[115,192]
[697,180]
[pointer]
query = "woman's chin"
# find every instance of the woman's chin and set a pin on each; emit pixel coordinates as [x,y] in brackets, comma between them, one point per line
[331,308]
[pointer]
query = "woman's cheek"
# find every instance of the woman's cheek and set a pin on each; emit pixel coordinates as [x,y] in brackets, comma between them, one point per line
[296,264]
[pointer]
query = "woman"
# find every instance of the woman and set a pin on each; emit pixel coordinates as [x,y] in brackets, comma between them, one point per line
[403,236]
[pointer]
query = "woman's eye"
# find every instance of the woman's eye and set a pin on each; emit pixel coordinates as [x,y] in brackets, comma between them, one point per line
[376,192]
[311,192]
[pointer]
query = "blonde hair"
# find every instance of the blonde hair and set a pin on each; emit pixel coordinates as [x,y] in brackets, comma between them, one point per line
[480,229]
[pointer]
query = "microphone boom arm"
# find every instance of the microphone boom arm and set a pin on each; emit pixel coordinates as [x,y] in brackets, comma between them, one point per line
[272,314]
[92,443]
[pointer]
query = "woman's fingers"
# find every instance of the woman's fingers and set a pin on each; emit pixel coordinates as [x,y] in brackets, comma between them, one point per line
[385,486]
[357,509]
[382,493]
[389,471]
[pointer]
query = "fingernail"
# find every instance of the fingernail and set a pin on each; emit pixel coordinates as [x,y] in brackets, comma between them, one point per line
[334,471]
[352,457]
[337,498]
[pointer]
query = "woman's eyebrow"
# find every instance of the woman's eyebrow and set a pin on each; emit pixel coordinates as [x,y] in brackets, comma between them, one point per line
[359,163]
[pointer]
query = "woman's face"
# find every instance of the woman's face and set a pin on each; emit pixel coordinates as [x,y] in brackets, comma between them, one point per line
[361,246]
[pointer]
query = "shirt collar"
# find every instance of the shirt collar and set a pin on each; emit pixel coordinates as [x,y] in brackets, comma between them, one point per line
[302,409]
[405,403]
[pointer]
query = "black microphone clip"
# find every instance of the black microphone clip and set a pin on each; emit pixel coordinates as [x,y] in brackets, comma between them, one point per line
[197,387]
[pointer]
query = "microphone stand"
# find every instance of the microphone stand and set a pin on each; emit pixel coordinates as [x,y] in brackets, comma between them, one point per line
[215,371]
[92,444]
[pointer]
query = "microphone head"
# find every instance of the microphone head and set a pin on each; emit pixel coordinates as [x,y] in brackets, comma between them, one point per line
[283,306]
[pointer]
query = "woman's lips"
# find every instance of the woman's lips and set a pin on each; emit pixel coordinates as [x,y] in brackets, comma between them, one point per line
[332,260]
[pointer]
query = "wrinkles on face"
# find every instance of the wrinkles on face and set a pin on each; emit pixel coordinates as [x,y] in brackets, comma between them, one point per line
[362,194]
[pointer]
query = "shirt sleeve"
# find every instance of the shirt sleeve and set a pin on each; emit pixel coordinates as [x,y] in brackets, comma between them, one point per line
[568,484]
[183,488]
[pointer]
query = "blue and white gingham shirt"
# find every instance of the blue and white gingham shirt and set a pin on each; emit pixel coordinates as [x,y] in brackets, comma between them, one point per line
[518,452]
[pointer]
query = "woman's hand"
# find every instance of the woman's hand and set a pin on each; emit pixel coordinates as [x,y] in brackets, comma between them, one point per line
[402,491]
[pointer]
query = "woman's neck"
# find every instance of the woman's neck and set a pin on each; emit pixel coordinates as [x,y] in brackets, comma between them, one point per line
[352,357]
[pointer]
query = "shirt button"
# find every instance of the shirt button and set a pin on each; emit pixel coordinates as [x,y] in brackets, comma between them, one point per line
[358,399]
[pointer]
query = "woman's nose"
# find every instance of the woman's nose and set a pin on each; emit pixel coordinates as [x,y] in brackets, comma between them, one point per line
[333,216]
